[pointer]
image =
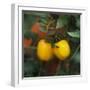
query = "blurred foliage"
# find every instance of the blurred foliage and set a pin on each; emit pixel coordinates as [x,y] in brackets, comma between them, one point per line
[31,67]
[75,34]
[28,22]
[62,21]
[53,27]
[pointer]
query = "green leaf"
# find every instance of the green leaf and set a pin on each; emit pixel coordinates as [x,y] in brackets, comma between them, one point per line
[28,21]
[77,57]
[75,34]
[43,20]
[42,24]
[62,21]
[43,29]
[31,68]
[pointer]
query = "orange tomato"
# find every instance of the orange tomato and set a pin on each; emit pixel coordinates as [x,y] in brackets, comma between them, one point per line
[36,28]
[27,42]
[42,34]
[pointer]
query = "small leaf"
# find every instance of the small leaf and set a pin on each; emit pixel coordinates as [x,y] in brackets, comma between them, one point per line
[75,34]
[59,24]
[43,20]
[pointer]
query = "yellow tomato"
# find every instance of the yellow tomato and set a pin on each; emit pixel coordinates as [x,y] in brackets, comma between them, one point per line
[62,49]
[44,50]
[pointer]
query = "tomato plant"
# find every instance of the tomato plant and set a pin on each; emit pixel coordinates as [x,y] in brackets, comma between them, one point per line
[51,43]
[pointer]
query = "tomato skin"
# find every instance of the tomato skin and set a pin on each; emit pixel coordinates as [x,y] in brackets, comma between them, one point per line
[44,50]
[27,42]
[36,28]
[42,34]
[62,50]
